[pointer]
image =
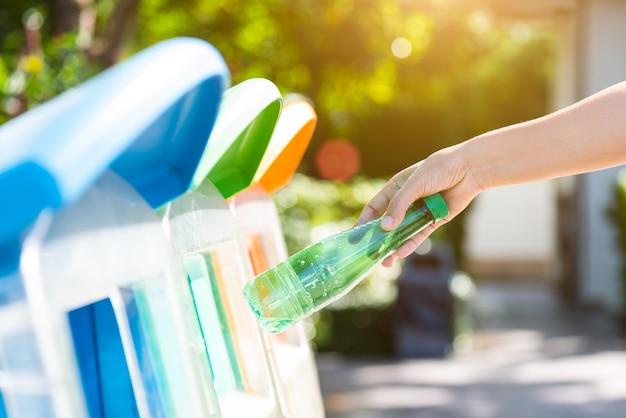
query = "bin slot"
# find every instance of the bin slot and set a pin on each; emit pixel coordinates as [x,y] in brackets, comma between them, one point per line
[103,368]
[213,321]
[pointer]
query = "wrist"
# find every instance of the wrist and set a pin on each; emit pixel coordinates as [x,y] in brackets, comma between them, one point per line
[475,164]
[501,157]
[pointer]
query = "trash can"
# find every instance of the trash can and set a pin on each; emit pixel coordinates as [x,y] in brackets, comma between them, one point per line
[203,230]
[120,336]
[424,310]
[51,156]
[290,352]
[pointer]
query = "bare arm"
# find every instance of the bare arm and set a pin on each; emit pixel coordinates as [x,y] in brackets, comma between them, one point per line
[586,136]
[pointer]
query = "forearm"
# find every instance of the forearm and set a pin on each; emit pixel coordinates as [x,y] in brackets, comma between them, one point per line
[587,136]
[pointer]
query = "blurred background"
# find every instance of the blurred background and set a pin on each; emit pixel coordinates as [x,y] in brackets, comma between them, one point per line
[530,282]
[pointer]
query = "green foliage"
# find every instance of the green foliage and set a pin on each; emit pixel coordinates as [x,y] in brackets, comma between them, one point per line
[38,72]
[467,71]
[356,331]
[12,14]
[617,216]
[40,77]
[308,203]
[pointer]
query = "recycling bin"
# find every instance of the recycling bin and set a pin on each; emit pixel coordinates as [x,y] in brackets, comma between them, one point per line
[150,137]
[258,223]
[203,230]
[104,287]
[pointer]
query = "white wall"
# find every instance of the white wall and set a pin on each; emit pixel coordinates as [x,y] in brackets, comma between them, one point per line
[603,63]
[513,224]
[516,226]
[591,55]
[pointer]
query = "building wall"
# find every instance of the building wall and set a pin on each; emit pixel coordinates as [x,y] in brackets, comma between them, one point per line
[511,231]
[603,63]
[503,238]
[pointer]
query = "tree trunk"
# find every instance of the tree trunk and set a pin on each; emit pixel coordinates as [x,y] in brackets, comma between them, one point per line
[109,46]
[102,45]
[71,15]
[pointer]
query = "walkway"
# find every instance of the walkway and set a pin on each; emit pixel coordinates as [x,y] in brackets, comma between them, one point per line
[531,359]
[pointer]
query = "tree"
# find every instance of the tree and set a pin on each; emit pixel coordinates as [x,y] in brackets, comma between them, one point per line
[102,26]
[465,71]
[399,79]
[48,46]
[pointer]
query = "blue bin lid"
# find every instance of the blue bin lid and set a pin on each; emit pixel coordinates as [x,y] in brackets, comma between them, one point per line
[147,118]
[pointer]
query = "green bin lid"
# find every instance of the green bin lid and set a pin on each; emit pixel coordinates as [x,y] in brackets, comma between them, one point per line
[437,206]
[245,122]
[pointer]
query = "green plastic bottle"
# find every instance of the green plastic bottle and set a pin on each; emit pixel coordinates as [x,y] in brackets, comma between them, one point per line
[323,272]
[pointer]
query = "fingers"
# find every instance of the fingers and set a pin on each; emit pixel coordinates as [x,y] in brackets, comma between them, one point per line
[390,260]
[379,203]
[409,192]
[375,208]
[396,210]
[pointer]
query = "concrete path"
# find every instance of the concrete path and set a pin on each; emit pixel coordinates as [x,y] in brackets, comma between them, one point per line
[531,358]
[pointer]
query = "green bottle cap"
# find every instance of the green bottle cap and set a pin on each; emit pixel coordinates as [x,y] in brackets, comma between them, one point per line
[437,206]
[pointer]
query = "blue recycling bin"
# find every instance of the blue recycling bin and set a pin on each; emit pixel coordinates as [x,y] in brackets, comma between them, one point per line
[146,119]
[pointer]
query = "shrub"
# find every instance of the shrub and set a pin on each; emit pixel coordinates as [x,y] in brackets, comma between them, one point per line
[617,216]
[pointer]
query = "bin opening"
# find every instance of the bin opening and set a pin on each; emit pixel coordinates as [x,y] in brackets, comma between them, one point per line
[103,369]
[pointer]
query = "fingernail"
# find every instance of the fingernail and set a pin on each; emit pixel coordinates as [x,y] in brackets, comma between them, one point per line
[387,222]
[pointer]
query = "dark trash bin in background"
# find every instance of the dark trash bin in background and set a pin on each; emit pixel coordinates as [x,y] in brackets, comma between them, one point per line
[424,311]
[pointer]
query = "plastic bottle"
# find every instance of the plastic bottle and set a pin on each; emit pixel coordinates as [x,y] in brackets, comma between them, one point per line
[323,272]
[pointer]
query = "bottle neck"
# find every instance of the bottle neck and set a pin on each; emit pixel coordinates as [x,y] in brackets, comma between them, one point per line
[417,217]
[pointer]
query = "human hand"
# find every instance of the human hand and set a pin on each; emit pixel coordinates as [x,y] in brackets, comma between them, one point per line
[444,171]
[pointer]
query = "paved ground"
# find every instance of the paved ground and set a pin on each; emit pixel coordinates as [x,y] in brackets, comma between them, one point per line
[531,358]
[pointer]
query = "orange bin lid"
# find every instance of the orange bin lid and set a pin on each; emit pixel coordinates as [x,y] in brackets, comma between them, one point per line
[287,146]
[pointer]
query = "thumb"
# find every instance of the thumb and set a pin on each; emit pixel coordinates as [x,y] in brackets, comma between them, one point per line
[413,189]
[397,208]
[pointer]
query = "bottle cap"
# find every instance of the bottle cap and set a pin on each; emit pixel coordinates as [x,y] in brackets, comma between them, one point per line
[437,206]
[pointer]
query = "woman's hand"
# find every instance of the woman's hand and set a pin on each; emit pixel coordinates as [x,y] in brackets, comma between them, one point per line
[444,171]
